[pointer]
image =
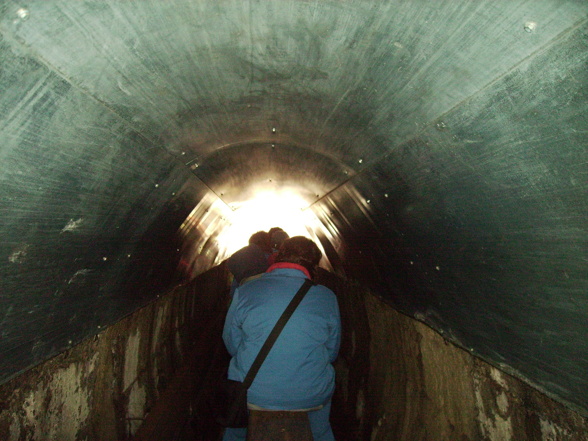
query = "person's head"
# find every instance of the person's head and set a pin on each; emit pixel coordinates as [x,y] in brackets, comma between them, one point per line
[273,230]
[300,250]
[262,240]
[277,238]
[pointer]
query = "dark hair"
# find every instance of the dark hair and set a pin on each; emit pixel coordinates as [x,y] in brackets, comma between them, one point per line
[300,250]
[262,240]
[273,230]
[277,238]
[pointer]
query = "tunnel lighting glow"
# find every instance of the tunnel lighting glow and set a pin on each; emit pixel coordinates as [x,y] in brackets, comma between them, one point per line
[267,210]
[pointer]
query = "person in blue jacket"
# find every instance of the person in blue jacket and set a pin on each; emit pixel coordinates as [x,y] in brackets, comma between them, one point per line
[297,373]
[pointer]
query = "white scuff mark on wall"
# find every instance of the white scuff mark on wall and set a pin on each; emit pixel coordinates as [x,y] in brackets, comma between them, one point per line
[360,406]
[155,374]
[32,408]
[14,430]
[125,90]
[78,275]
[74,408]
[552,432]
[131,359]
[136,408]
[502,403]
[161,313]
[376,428]
[497,376]
[493,424]
[20,253]
[92,363]
[502,398]
[59,409]
[178,342]
[72,225]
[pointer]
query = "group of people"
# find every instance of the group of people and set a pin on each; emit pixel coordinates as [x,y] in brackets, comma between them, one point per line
[297,375]
[256,257]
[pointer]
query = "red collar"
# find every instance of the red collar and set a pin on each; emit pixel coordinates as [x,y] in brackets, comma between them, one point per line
[288,265]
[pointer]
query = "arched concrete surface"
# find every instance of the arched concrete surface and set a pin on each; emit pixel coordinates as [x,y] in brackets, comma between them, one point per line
[442,145]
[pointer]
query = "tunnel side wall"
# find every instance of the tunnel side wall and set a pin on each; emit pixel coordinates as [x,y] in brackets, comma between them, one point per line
[396,378]
[477,226]
[103,388]
[90,208]
[425,388]
[399,379]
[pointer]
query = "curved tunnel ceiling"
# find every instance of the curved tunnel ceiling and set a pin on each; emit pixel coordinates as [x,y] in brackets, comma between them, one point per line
[441,144]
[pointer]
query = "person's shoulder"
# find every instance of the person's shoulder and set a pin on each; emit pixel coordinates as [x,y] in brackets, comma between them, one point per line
[322,290]
[256,283]
[237,254]
[247,256]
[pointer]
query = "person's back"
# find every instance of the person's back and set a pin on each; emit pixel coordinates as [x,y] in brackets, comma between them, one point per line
[297,373]
[247,262]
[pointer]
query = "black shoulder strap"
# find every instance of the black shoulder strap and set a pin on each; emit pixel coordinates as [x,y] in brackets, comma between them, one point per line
[271,339]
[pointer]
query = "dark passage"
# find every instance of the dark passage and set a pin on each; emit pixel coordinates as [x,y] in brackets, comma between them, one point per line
[184,410]
[437,152]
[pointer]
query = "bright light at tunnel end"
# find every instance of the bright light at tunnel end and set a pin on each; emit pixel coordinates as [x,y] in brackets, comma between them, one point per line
[266,210]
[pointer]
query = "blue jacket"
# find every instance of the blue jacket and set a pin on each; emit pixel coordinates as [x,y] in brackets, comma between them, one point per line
[297,373]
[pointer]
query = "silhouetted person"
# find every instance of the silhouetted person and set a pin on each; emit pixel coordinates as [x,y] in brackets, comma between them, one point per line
[277,237]
[250,260]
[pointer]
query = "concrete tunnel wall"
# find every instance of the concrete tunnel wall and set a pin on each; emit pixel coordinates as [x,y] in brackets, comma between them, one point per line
[147,378]
[442,145]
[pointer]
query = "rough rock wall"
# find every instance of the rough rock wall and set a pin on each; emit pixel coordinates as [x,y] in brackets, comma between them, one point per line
[102,389]
[423,388]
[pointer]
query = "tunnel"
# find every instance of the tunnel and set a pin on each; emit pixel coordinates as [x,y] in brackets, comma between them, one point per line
[436,152]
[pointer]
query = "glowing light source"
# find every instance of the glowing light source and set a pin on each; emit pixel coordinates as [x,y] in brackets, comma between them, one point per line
[267,210]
